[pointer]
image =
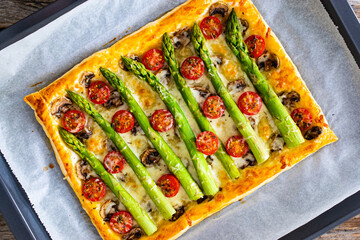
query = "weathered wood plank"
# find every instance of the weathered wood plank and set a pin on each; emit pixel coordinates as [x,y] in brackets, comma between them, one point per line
[348,230]
[12,11]
[355,4]
[5,233]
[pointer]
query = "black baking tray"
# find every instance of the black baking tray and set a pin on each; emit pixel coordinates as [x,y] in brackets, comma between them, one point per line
[14,203]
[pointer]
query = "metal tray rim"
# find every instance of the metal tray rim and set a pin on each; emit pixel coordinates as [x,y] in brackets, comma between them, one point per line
[15,206]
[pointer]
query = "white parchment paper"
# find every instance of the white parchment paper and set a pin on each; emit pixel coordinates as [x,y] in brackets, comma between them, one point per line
[297,196]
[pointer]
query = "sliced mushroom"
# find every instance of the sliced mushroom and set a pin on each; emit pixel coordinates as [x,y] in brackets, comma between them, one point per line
[84,134]
[86,78]
[114,100]
[133,57]
[83,170]
[209,160]
[137,129]
[135,233]
[219,8]
[203,92]
[277,143]
[186,162]
[252,122]
[267,61]
[181,38]
[149,204]
[163,74]
[245,25]
[179,211]
[218,60]
[249,160]
[109,145]
[122,176]
[107,210]
[313,133]
[150,157]
[289,98]
[60,106]
[176,133]
[200,200]
[236,86]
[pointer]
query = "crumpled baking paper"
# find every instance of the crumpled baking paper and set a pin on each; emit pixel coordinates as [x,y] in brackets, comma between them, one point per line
[295,197]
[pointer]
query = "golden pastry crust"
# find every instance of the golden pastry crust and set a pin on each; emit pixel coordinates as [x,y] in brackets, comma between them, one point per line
[285,78]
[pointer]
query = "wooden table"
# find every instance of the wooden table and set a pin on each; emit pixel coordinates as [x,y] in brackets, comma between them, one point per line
[12,11]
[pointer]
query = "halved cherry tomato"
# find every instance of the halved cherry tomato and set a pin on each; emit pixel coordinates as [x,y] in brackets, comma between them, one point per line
[211,27]
[123,121]
[169,185]
[302,118]
[192,68]
[256,45]
[162,120]
[236,146]
[99,92]
[213,107]
[250,103]
[94,189]
[207,143]
[114,162]
[153,59]
[121,222]
[74,121]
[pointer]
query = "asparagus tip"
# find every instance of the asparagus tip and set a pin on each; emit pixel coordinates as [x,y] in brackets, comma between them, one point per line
[102,69]
[127,61]
[63,133]
[166,35]
[61,130]
[68,91]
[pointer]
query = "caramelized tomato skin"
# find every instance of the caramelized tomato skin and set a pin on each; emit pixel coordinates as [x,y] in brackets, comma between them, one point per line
[207,143]
[99,92]
[302,117]
[123,121]
[169,185]
[74,121]
[192,68]
[153,59]
[114,162]
[236,146]
[94,189]
[213,107]
[250,103]
[162,120]
[121,222]
[211,27]
[255,45]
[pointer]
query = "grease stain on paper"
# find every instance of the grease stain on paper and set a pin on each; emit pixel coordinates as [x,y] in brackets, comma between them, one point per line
[34,85]
[111,41]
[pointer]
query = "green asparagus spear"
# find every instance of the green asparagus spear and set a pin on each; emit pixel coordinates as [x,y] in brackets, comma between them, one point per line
[141,217]
[143,175]
[192,104]
[173,162]
[187,135]
[256,145]
[287,127]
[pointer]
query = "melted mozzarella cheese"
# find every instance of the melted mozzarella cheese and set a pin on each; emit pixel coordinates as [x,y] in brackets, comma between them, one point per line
[229,70]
